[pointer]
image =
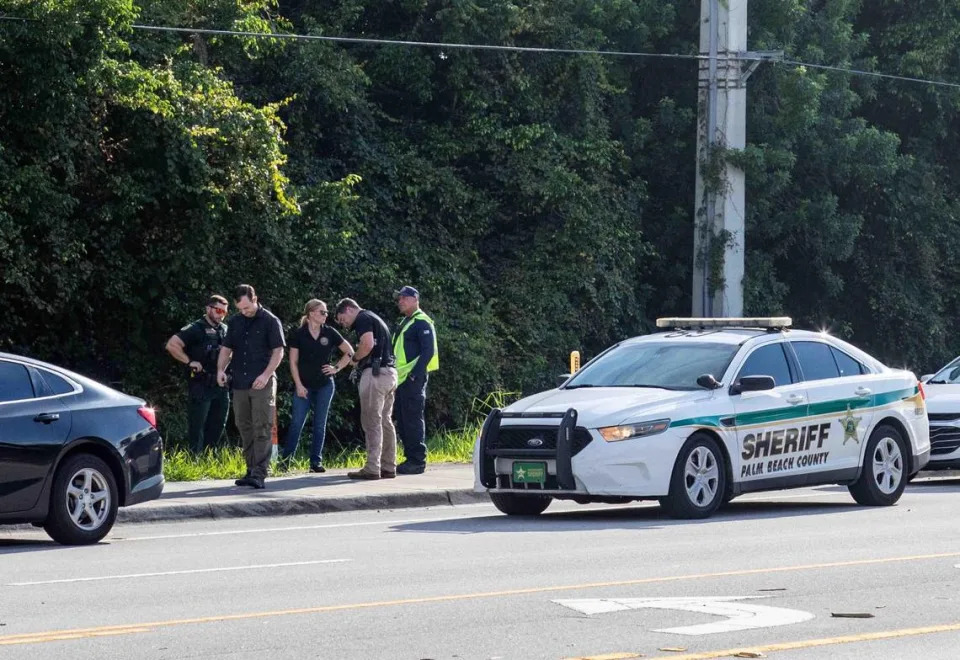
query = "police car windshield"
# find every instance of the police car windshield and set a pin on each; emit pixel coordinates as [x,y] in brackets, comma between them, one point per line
[670,366]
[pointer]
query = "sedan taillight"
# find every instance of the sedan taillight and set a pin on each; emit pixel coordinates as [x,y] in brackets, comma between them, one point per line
[148,414]
[923,395]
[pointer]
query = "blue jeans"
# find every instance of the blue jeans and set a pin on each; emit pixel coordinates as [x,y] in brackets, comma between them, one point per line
[319,400]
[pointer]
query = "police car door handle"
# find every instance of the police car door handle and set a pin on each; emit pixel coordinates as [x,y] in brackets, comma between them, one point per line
[863,391]
[794,399]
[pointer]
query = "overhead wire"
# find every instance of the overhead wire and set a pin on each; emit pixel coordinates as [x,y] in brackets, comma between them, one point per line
[744,57]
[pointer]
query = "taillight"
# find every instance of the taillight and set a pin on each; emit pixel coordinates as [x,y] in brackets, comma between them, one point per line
[923,395]
[148,414]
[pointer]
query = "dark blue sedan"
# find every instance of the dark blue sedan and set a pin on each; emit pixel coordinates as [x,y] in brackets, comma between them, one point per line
[72,451]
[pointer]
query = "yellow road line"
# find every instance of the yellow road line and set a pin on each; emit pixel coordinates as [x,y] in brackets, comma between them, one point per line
[813,643]
[31,638]
[609,656]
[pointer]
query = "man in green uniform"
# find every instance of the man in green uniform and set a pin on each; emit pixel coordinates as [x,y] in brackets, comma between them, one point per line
[197,346]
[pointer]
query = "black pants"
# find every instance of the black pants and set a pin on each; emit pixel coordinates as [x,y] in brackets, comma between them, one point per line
[207,410]
[408,411]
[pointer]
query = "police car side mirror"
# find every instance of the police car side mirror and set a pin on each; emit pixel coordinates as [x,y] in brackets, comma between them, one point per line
[708,382]
[562,378]
[753,384]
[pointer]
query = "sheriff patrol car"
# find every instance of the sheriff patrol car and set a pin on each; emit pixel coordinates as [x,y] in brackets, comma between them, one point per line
[704,411]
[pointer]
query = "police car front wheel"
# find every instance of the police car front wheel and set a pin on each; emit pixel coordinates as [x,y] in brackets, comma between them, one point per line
[699,479]
[884,473]
[520,505]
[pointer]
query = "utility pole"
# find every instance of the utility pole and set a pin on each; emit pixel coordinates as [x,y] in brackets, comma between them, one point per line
[721,126]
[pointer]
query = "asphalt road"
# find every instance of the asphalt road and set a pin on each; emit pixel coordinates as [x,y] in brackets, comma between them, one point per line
[466,582]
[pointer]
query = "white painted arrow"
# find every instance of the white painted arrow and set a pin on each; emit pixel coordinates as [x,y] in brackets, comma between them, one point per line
[739,616]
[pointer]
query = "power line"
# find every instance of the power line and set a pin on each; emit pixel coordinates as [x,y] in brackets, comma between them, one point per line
[426,44]
[874,74]
[744,57]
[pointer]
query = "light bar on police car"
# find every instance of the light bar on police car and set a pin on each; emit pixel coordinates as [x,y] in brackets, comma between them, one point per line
[755,322]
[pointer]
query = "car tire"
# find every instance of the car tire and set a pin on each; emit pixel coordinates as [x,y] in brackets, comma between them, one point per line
[699,480]
[83,503]
[884,473]
[520,505]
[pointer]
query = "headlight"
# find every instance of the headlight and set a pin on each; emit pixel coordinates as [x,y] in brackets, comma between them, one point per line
[618,433]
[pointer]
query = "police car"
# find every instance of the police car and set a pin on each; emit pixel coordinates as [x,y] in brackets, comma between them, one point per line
[704,411]
[943,408]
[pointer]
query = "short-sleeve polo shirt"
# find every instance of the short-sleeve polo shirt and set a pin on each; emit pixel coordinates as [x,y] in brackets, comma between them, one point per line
[252,341]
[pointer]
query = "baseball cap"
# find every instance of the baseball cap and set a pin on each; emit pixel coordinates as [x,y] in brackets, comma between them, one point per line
[408,291]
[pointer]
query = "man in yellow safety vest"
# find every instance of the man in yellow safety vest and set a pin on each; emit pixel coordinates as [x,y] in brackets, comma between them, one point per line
[415,345]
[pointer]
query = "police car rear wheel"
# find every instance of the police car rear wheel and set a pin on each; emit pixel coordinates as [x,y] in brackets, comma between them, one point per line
[699,479]
[884,473]
[520,505]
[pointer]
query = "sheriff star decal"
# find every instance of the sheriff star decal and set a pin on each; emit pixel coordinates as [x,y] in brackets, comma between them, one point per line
[850,426]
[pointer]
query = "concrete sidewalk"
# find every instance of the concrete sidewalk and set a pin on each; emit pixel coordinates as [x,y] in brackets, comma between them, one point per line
[442,484]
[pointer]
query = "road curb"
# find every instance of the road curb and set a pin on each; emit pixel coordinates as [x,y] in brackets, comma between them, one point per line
[294,506]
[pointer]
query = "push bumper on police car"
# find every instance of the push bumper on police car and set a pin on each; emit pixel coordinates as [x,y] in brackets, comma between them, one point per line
[528,453]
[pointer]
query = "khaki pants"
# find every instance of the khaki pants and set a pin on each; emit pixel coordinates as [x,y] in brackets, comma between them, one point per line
[253,411]
[376,404]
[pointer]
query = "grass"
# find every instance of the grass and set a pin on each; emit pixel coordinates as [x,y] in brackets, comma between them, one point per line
[227,462]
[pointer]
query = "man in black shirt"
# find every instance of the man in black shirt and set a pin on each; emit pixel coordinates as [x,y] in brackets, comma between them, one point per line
[253,349]
[378,385]
[197,345]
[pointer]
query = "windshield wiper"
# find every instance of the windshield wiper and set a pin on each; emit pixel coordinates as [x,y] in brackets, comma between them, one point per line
[655,387]
[577,387]
[937,382]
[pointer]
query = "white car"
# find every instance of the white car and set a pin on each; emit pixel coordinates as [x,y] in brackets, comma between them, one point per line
[943,408]
[703,412]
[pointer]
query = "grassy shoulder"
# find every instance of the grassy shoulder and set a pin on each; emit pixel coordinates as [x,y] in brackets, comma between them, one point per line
[227,462]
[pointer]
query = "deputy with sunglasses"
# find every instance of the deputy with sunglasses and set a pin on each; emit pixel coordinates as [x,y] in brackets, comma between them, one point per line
[197,346]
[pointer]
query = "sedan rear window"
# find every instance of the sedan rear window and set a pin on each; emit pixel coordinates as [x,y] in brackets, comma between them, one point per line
[14,382]
[55,383]
[816,360]
[848,366]
[670,366]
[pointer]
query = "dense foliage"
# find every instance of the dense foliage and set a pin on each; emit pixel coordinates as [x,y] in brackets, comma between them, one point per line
[541,202]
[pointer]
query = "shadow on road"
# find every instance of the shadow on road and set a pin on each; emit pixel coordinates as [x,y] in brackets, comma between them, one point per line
[628,516]
[10,546]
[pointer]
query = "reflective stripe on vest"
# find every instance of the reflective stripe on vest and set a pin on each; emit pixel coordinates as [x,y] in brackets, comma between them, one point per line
[403,367]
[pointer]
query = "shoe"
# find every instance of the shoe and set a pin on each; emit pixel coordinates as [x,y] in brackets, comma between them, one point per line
[256,484]
[360,474]
[386,474]
[410,468]
[244,480]
[317,468]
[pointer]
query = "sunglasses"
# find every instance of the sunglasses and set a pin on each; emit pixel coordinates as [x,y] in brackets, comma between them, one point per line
[218,312]
[322,311]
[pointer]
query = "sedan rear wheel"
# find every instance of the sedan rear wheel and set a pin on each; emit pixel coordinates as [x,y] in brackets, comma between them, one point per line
[84,501]
[884,473]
